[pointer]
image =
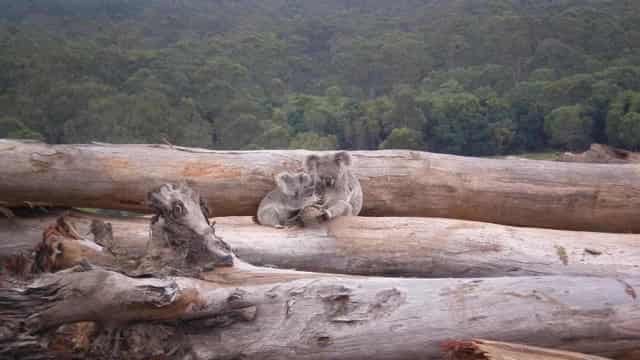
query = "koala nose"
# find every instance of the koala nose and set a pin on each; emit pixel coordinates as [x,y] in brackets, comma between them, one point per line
[226,260]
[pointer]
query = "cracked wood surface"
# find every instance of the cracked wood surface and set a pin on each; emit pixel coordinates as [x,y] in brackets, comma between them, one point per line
[549,194]
[424,247]
[333,317]
[379,318]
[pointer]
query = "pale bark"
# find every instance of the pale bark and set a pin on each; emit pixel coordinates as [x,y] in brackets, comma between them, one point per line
[248,312]
[420,247]
[496,350]
[395,183]
[325,317]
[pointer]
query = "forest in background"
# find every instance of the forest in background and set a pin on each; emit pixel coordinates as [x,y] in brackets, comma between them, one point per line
[470,77]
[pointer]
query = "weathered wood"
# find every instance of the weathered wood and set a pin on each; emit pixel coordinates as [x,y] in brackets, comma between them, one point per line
[396,183]
[108,298]
[243,311]
[421,247]
[23,233]
[496,350]
[602,154]
[63,247]
[340,317]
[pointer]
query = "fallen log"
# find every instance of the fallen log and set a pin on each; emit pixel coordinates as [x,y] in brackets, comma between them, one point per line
[420,247]
[331,317]
[496,350]
[396,183]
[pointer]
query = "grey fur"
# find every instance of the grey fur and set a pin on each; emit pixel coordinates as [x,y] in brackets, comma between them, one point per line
[281,207]
[337,186]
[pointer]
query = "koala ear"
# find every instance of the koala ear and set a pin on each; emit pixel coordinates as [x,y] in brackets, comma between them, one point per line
[284,181]
[342,158]
[311,162]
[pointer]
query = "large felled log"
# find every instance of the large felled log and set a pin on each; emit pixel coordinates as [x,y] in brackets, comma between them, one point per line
[496,350]
[395,183]
[424,247]
[335,317]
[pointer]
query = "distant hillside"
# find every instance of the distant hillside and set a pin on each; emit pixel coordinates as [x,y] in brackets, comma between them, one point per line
[475,77]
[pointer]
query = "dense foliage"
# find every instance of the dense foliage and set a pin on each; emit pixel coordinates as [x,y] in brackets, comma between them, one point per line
[474,77]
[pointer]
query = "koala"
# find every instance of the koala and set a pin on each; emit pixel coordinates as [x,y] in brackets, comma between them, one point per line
[281,207]
[339,189]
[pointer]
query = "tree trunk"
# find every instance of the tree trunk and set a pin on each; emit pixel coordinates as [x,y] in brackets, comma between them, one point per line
[327,317]
[495,350]
[418,247]
[396,183]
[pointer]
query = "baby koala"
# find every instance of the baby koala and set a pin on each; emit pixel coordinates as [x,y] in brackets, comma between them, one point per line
[281,207]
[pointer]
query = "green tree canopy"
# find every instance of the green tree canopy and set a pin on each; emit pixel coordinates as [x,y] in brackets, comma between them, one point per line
[467,77]
[312,141]
[622,120]
[569,126]
[403,138]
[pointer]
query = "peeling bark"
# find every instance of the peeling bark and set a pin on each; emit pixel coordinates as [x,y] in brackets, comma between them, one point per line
[572,196]
[112,300]
[420,247]
[338,317]
[239,311]
[63,247]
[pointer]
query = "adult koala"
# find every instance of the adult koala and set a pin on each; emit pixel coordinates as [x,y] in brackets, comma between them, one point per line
[339,189]
[281,207]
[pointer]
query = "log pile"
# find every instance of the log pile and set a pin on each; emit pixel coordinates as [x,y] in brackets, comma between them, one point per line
[178,284]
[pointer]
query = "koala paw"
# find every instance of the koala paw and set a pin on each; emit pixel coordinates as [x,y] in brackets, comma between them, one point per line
[312,215]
